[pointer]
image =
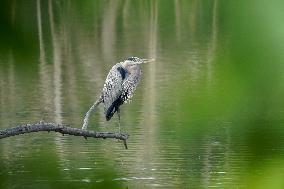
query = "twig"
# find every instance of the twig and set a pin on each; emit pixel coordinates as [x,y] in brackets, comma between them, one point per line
[61,128]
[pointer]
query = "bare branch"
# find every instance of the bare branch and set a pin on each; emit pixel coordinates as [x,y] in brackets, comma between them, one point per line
[61,128]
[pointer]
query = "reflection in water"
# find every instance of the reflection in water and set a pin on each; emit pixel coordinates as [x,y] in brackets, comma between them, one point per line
[149,101]
[146,159]
[44,70]
[201,67]
[57,76]
[109,31]
[212,42]
[178,20]
[172,142]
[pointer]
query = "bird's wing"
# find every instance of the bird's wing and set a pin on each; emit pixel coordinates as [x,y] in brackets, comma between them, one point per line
[129,85]
[112,89]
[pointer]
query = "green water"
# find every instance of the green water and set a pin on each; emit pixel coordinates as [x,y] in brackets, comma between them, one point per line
[208,113]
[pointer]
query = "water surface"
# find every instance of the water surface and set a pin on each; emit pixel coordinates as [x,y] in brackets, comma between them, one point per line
[208,113]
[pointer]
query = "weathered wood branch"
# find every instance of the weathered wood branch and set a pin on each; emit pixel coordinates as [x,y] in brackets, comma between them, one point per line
[61,128]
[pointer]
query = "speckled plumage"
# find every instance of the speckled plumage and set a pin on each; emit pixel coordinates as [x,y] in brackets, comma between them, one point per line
[119,87]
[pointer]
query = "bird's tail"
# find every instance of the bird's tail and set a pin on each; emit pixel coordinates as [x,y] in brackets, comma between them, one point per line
[92,109]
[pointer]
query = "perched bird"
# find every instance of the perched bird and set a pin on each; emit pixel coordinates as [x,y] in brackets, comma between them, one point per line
[119,87]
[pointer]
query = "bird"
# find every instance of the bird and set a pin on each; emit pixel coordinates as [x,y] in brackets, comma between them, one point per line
[119,87]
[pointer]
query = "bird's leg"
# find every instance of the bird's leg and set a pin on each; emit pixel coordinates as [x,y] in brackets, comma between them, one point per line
[118,114]
[92,109]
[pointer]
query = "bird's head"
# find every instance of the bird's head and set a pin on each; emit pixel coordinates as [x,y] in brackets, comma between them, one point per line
[134,61]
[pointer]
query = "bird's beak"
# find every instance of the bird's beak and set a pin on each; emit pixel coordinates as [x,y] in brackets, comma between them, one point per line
[148,60]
